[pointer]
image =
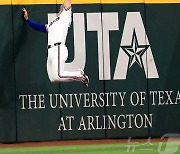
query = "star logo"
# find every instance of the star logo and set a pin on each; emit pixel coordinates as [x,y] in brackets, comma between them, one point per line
[135,51]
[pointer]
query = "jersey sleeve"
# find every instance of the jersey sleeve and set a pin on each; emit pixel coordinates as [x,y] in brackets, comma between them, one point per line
[38,27]
[67,16]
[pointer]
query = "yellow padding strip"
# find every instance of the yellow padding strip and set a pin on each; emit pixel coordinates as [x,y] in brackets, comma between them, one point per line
[26,2]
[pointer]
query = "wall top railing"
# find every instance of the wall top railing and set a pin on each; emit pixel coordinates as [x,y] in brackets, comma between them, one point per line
[22,2]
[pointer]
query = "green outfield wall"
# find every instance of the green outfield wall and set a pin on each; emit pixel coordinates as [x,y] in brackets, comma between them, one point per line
[129,49]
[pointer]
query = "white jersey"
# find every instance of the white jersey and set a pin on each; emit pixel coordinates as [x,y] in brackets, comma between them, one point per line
[58,28]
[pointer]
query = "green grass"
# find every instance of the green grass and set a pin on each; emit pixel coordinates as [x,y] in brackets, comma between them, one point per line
[141,148]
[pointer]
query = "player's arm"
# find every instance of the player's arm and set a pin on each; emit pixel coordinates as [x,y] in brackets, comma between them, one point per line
[38,27]
[67,4]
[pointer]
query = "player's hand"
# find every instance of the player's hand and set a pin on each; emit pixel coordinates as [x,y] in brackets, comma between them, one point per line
[25,14]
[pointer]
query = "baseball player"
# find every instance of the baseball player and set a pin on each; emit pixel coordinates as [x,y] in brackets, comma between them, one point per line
[57,31]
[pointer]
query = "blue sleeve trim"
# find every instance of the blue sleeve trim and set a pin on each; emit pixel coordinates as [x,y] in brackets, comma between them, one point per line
[38,27]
